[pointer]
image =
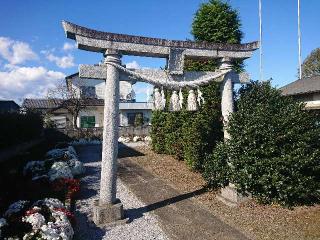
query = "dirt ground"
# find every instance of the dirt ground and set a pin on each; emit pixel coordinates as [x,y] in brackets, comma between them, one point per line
[256,220]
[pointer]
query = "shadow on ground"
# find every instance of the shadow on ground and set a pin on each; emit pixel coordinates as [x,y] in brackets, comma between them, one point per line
[135,213]
[126,151]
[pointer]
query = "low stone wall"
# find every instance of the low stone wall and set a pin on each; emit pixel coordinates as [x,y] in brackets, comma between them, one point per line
[134,131]
[92,133]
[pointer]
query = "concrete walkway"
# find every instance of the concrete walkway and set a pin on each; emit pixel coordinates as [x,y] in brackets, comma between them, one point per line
[179,215]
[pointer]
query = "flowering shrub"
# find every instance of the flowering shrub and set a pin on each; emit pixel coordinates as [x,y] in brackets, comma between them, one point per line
[45,219]
[62,163]
[59,170]
[66,187]
[76,167]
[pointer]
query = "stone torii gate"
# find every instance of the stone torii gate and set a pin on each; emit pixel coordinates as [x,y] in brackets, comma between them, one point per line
[113,46]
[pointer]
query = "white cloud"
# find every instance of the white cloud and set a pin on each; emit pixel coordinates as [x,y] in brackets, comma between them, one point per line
[143,91]
[16,52]
[20,82]
[68,46]
[133,64]
[62,62]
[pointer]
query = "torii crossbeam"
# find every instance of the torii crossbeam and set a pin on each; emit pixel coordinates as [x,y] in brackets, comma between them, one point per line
[113,46]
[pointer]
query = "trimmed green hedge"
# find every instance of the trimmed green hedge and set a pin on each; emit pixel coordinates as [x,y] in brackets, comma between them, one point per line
[189,136]
[274,150]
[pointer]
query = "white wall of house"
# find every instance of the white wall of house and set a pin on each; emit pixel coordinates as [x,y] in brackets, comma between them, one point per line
[92,111]
[97,112]
[126,93]
[312,100]
[126,90]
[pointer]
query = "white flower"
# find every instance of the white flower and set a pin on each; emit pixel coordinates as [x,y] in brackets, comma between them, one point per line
[59,229]
[50,203]
[76,167]
[31,235]
[50,232]
[59,170]
[16,207]
[36,220]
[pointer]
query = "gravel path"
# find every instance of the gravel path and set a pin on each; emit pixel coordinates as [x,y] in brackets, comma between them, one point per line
[141,227]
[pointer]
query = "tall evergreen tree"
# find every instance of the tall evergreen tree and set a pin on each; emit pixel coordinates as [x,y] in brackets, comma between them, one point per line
[198,132]
[311,65]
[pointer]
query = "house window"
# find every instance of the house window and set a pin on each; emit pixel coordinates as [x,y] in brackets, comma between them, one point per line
[135,118]
[87,92]
[87,121]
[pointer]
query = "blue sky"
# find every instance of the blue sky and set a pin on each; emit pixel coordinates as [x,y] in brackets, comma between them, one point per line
[35,54]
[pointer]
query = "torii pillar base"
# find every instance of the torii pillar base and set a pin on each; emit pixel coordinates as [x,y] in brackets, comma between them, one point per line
[108,214]
[230,196]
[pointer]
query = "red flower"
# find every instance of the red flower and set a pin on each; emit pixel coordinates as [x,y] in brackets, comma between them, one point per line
[69,214]
[31,211]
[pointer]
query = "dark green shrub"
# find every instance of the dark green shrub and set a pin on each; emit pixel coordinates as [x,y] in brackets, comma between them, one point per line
[274,149]
[158,121]
[16,128]
[216,169]
[173,134]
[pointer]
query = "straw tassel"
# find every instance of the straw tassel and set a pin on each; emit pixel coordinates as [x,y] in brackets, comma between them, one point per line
[174,102]
[163,99]
[157,99]
[180,99]
[200,98]
[192,101]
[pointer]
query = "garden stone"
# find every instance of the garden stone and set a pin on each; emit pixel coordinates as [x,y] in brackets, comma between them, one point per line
[148,139]
[137,138]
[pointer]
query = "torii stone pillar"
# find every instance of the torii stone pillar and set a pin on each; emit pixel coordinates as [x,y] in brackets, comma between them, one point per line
[108,208]
[227,105]
[229,194]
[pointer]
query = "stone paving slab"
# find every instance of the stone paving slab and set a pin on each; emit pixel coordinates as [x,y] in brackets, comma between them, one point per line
[180,217]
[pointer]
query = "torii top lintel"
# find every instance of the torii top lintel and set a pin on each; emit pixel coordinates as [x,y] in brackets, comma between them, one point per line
[97,41]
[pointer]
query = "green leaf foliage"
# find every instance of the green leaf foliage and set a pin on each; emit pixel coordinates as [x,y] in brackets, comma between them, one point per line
[217,22]
[274,150]
[311,65]
[192,135]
